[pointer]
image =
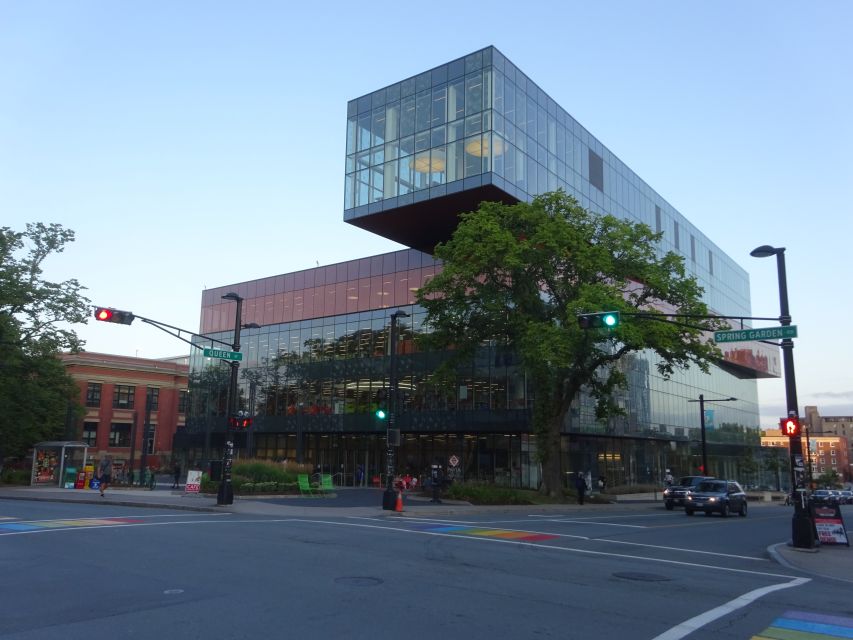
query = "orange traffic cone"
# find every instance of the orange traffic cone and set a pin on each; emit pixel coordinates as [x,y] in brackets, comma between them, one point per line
[399,505]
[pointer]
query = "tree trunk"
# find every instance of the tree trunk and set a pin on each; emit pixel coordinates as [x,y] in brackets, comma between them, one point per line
[552,478]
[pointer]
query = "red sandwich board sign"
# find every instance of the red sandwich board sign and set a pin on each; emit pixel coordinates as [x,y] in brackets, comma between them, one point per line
[829,525]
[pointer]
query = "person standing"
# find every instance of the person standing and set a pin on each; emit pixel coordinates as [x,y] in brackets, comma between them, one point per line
[177,474]
[105,473]
[580,486]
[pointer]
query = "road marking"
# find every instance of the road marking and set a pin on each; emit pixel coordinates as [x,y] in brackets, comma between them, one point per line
[689,626]
[550,547]
[803,625]
[605,524]
[576,537]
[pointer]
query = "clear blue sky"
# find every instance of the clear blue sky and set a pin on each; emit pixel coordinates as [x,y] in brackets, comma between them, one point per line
[157,130]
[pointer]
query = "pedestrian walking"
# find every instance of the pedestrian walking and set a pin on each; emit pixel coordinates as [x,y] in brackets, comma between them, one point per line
[580,486]
[105,473]
[177,474]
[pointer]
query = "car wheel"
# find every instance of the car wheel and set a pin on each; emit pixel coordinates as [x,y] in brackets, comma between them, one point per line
[668,505]
[724,510]
[689,512]
[742,512]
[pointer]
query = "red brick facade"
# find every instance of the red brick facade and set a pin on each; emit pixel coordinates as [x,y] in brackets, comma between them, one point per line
[113,390]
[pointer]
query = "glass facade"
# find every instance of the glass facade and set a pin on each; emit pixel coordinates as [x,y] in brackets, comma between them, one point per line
[479,120]
[318,367]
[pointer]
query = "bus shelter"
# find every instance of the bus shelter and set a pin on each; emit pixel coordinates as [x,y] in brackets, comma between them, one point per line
[57,462]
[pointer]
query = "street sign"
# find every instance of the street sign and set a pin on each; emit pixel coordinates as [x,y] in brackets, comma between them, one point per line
[454,461]
[744,335]
[224,355]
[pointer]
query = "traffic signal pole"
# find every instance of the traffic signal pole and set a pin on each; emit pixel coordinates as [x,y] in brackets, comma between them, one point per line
[802,527]
[389,497]
[225,496]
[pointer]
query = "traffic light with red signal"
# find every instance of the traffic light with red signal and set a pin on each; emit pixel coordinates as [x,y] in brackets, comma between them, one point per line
[108,314]
[790,426]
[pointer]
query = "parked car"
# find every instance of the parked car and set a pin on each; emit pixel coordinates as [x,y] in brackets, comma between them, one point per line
[846,496]
[824,497]
[676,493]
[723,496]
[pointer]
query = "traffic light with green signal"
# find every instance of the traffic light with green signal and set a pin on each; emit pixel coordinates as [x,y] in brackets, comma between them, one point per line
[380,414]
[602,320]
[108,314]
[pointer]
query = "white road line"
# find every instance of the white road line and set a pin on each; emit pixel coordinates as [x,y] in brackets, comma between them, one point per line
[689,626]
[605,524]
[429,533]
[549,547]
[563,535]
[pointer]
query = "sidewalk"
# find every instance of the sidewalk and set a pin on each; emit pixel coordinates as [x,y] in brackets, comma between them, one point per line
[827,561]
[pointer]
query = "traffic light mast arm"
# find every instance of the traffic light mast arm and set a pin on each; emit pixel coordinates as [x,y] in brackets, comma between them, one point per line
[175,331]
[165,328]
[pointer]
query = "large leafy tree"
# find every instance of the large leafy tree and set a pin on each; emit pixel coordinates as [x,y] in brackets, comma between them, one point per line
[37,397]
[520,274]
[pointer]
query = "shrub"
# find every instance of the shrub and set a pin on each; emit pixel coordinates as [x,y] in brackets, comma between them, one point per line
[15,476]
[481,493]
[262,471]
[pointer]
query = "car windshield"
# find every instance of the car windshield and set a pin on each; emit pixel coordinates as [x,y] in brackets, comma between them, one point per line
[686,482]
[712,486]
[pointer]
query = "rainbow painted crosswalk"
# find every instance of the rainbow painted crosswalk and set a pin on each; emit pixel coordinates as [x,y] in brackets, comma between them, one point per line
[802,625]
[500,534]
[42,525]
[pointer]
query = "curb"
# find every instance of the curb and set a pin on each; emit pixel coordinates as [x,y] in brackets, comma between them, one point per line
[122,503]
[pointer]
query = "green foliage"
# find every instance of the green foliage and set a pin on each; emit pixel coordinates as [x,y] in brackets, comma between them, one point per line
[15,476]
[37,395]
[520,274]
[258,476]
[482,493]
[829,480]
[260,471]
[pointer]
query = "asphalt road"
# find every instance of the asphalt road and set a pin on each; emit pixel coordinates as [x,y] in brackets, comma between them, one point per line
[106,571]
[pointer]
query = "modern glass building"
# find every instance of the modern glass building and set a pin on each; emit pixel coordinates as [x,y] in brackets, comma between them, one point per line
[418,153]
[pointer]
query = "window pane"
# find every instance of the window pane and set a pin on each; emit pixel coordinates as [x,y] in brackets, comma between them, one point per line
[439,106]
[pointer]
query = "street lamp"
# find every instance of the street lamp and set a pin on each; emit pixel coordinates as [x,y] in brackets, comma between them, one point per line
[802,528]
[389,498]
[226,490]
[702,402]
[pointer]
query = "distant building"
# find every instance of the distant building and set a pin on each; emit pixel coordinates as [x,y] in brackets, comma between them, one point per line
[831,425]
[121,394]
[824,452]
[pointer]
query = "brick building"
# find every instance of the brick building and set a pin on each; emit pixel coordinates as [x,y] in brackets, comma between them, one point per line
[825,452]
[121,395]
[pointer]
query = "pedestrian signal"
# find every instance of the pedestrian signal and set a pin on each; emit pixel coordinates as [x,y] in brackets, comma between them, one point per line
[790,427]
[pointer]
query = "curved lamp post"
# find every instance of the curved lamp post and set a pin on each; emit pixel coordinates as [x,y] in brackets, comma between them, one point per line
[225,494]
[802,526]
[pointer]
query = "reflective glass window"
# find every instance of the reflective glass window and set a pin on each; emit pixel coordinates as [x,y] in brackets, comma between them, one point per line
[439,106]
[473,93]
[456,100]
[407,116]
[407,146]
[392,121]
[364,136]
[422,115]
[378,127]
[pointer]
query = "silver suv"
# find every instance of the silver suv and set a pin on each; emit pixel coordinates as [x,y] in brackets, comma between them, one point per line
[677,493]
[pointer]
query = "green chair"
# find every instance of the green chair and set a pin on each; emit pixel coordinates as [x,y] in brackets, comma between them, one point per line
[305,487]
[326,483]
